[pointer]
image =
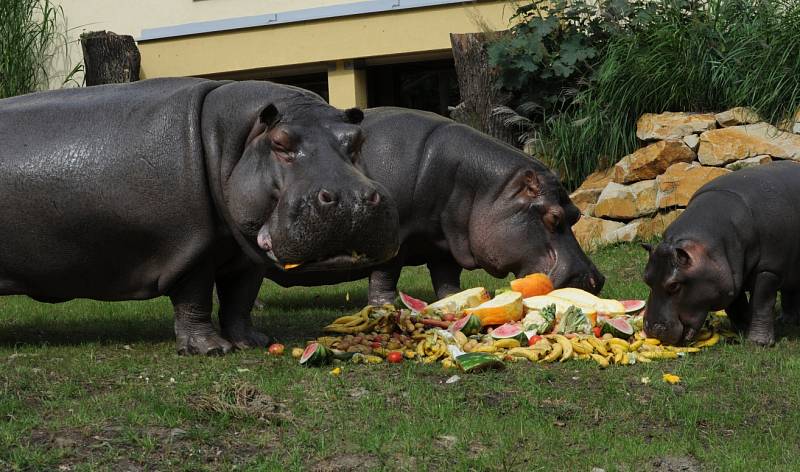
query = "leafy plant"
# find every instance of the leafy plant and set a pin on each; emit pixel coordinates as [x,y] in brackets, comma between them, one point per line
[31,36]
[669,55]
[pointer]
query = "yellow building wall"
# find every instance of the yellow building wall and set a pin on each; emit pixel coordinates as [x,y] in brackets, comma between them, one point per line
[132,16]
[363,36]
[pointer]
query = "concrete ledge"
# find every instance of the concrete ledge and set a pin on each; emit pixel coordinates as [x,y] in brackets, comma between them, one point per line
[294,16]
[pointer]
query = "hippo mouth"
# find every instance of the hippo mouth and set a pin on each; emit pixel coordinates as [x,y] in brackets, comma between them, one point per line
[333,262]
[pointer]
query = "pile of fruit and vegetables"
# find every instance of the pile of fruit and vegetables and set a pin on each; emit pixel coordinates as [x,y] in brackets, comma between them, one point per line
[529,322]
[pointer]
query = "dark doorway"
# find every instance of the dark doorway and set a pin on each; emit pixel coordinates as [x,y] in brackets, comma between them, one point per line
[430,85]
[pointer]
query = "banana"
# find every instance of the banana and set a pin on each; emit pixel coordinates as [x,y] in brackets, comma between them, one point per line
[566,347]
[579,348]
[582,357]
[619,355]
[460,338]
[714,339]
[587,345]
[682,349]
[620,343]
[506,343]
[652,341]
[703,335]
[447,363]
[485,348]
[555,353]
[660,355]
[639,335]
[421,349]
[599,346]
[601,361]
[636,345]
[641,358]
[527,353]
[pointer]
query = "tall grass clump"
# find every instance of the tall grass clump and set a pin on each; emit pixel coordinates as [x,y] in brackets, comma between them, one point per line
[31,36]
[676,55]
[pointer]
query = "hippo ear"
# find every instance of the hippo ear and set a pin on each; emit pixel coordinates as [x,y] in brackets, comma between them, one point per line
[533,186]
[354,115]
[269,116]
[647,247]
[682,257]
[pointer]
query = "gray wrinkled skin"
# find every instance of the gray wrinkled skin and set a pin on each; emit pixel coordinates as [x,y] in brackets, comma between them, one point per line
[164,186]
[466,201]
[737,237]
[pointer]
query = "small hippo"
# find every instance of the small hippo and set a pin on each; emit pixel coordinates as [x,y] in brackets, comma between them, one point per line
[738,235]
[165,186]
[466,201]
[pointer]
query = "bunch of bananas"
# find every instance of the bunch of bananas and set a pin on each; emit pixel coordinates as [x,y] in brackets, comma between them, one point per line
[359,322]
[432,348]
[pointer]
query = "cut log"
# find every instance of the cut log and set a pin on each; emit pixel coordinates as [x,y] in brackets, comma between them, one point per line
[109,58]
[476,77]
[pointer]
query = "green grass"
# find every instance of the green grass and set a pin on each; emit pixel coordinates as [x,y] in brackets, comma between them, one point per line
[97,386]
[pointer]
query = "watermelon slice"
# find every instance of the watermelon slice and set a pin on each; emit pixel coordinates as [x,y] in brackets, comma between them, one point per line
[315,354]
[412,303]
[618,327]
[509,331]
[632,306]
[478,361]
[468,325]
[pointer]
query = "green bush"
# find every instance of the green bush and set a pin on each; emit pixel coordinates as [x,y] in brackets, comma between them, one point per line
[30,37]
[677,55]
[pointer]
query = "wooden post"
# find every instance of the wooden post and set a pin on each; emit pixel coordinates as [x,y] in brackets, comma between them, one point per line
[479,97]
[109,58]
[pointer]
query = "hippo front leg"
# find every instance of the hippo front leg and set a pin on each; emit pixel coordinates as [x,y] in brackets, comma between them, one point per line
[237,292]
[739,312]
[790,308]
[446,276]
[762,306]
[194,332]
[383,282]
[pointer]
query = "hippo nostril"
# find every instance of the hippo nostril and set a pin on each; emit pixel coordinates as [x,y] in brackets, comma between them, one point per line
[326,197]
[374,199]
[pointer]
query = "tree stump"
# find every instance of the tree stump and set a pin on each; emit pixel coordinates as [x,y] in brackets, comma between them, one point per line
[479,97]
[109,58]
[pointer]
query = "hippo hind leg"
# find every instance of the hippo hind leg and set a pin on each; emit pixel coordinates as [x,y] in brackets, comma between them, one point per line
[237,292]
[790,308]
[194,332]
[762,309]
[445,276]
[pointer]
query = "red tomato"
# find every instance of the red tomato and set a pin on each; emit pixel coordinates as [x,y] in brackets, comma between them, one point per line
[276,349]
[597,331]
[395,357]
[533,340]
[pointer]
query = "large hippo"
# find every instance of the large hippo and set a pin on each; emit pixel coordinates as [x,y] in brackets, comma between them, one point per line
[466,201]
[163,187]
[738,235]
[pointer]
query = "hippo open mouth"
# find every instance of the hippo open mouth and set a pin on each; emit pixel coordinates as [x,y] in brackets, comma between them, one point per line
[354,260]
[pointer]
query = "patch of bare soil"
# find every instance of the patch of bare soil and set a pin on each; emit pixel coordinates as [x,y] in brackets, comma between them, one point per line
[347,463]
[244,400]
[676,464]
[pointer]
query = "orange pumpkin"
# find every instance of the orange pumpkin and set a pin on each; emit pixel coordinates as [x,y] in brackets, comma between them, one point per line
[532,285]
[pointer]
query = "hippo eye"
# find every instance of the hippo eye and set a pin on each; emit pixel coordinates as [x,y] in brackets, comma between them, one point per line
[673,288]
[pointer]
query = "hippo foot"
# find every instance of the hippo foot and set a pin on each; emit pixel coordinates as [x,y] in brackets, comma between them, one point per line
[203,344]
[247,338]
[761,338]
[383,298]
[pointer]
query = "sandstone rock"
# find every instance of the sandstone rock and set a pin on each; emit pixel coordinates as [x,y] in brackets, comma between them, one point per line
[586,195]
[677,185]
[692,141]
[650,161]
[583,199]
[737,116]
[721,146]
[668,125]
[651,227]
[591,232]
[749,162]
[626,202]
